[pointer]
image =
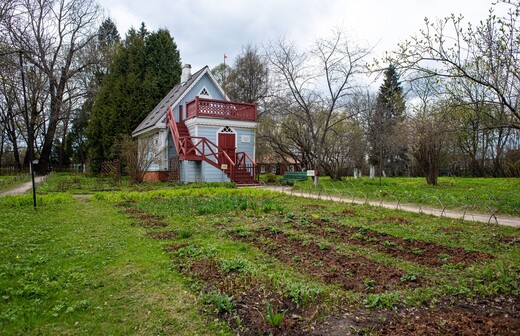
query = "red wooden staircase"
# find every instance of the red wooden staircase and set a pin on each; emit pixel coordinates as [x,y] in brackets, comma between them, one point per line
[240,169]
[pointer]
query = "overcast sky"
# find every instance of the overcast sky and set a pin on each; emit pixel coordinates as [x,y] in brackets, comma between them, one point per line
[205,30]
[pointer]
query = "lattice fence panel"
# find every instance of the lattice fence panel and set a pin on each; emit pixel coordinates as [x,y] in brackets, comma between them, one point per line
[111,169]
[174,165]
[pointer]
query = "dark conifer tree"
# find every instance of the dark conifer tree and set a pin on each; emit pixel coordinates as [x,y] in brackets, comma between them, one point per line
[386,140]
[143,69]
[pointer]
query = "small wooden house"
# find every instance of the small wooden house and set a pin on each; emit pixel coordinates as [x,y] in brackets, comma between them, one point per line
[277,164]
[197,135]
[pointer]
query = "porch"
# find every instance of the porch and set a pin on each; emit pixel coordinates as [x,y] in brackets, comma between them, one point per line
[222,109]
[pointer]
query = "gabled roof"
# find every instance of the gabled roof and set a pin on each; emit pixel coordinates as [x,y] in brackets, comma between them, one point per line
[159,112]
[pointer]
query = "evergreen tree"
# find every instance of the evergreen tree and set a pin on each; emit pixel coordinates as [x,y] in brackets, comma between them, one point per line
[144,68]
[108,41]
[385,138]
[108,35]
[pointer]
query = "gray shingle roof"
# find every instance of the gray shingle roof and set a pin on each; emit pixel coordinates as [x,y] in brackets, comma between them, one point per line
[159,112]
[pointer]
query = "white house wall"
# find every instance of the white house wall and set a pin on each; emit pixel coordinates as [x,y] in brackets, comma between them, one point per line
[246,141]
[191,171]
[212,174]
[163,147]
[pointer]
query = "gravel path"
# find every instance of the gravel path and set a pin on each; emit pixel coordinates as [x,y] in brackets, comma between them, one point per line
[491,219]
[24,187]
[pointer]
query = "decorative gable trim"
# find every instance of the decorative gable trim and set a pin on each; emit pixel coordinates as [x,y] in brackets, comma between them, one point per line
[204,93]
[226,129]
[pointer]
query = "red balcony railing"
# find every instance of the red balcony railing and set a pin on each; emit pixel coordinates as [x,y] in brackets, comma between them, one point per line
[201,107]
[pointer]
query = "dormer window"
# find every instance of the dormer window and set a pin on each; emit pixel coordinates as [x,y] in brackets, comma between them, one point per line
[204,93]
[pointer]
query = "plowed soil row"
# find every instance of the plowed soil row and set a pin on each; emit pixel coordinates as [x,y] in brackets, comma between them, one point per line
[250,296]
[417,251]
[352,272]
[494,316]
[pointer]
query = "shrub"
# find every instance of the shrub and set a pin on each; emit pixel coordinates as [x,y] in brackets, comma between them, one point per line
[270,178]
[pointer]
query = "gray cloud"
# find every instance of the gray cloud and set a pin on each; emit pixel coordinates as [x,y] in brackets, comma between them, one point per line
[206,29]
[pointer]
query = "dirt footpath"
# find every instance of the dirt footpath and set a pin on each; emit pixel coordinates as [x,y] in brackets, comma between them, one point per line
[23,188]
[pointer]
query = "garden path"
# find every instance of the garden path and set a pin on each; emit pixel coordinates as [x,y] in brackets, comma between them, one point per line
[478,217]
[23,188]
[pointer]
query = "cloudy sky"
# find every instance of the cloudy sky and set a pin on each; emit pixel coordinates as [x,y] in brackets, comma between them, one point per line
[205,30]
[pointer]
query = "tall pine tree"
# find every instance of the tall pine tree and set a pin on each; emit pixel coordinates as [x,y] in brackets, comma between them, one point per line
[384,132]
[144,68]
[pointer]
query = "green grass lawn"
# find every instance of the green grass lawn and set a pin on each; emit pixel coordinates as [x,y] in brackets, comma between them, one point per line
[80,268]
[209,261]
[477,194]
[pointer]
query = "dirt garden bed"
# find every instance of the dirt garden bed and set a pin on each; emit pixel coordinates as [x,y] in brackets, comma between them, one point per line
[250,297]
[249,294]
[351,271]
[492,316]
[417,251]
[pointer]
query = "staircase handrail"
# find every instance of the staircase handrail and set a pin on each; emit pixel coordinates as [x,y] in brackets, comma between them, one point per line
[242,160]
[206,149]
[172,124]
[205,143]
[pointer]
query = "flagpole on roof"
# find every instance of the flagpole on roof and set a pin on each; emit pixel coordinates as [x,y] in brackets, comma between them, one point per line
[224,78]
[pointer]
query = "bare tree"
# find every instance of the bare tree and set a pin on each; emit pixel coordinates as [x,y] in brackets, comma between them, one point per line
[54,37]
[315,85]
[430,126]
[9,105]
[486,54]
[479,138]
[344,149]
[138,156]
[247,80]
[285,136]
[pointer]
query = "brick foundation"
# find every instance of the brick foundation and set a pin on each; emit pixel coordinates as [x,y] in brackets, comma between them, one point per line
[157,176]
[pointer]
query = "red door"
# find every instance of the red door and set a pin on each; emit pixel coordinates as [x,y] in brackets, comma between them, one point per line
[226,142]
